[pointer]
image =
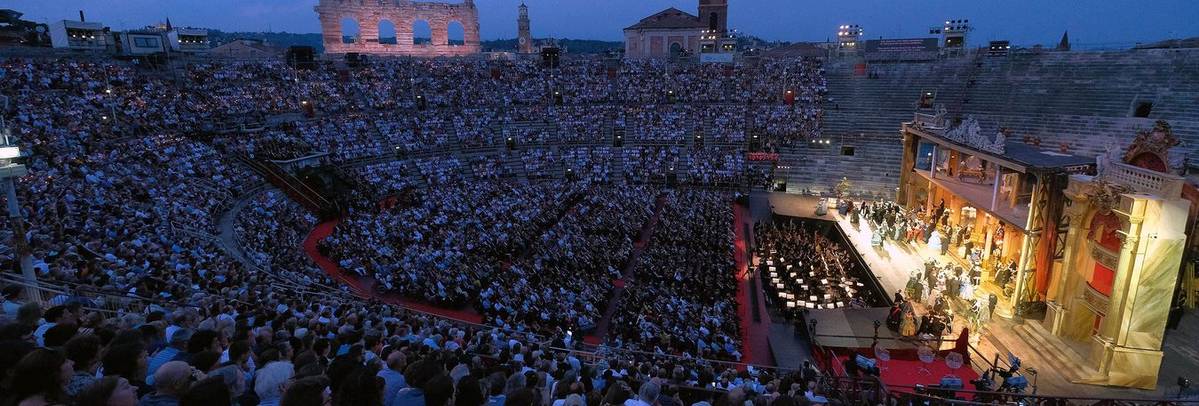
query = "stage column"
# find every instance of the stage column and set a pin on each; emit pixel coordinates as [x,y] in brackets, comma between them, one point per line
[905,169]
[1130,337]
[1026,256]
[1058,307]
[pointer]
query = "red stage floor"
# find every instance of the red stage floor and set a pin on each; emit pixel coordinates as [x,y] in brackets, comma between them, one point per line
[903,374]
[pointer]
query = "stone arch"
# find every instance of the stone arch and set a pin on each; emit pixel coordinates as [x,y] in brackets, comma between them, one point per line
[455,33]
[422,32]
[351,31]
[676,48]
[388,35]
[363,33]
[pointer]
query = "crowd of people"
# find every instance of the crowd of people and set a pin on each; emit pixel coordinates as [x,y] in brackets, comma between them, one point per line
[945,288]
[130,173]
[681,298]
[273,350]
[440,249]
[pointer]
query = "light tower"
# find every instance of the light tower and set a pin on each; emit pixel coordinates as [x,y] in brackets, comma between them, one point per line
[524,39]
[9,171]
[849,39]
[953,36]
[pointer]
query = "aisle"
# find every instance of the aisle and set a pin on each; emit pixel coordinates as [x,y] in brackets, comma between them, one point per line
[755,336]
[628,275]
[364,286]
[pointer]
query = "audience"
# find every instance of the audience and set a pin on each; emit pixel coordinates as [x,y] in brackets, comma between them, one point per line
[163,303]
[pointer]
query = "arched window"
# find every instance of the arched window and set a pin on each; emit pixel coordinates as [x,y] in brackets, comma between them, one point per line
[456,33]
[675,48]
[349,30]
[421,33]
[713,19]
[387,32]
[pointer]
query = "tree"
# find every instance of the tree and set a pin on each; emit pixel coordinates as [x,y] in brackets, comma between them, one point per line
[842,188]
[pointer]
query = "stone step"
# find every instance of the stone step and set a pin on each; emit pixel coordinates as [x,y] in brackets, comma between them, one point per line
[1061,358]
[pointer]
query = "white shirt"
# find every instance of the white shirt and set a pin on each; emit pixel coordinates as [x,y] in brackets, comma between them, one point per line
[40,333]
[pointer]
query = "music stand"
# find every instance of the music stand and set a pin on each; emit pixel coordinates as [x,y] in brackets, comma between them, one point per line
[927,357]
[883,355]
[954,361]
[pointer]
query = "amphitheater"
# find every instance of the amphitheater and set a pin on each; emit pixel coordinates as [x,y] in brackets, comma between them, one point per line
[431,192]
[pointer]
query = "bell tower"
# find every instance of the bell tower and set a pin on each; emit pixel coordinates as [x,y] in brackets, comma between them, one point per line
[714,37]
[714,15]
[524,40]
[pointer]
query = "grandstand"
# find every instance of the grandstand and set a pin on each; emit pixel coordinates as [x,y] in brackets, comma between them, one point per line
[1083,99]
[602,235]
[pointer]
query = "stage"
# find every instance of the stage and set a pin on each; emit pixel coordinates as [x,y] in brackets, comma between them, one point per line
[892,264]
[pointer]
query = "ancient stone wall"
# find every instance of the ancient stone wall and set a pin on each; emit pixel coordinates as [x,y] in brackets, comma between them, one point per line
[403,14]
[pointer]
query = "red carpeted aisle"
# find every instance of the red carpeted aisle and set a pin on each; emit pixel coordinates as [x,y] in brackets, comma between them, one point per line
[363,286]
[627,275]
[754,336]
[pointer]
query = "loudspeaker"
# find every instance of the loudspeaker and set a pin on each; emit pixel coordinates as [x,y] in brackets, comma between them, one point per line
[301,57]
[549,57]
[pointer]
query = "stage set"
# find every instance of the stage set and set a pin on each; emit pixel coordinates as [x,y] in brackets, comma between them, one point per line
[1013,237]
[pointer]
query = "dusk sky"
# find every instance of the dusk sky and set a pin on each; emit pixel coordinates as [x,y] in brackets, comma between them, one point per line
[1025,22]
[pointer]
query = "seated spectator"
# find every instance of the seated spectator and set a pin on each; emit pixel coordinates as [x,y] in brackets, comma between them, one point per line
[310,391]
[171,382]
[271,382]
[40,378]
[108,391]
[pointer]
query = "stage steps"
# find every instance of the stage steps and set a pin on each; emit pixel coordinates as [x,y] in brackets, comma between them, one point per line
[1055,354]
[788,349]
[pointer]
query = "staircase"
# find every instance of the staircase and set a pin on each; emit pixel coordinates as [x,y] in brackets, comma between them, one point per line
[968,80]
[1050,352]
[296,189]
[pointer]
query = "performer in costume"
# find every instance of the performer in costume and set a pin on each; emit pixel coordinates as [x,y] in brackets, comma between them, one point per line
[907,327]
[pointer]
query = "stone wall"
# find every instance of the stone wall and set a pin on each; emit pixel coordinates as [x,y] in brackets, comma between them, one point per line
[656,43]
[1083,99]
[402,14]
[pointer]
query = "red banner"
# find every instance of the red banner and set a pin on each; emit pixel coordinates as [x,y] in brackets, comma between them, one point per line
[764,156]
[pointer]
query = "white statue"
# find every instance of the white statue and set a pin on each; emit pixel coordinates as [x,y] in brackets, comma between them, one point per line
[1104,161]
[970,133]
